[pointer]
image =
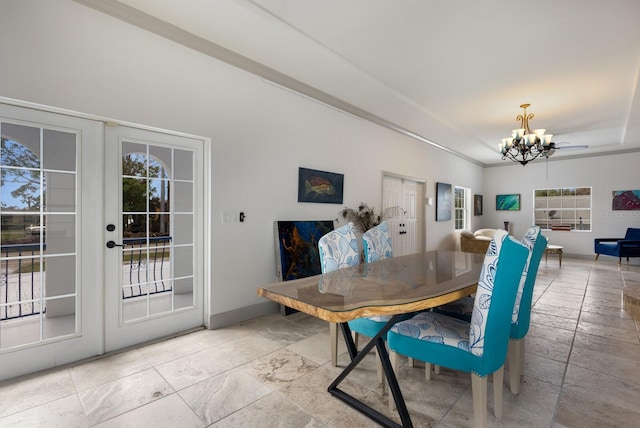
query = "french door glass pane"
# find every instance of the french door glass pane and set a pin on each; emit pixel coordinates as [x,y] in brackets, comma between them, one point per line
[157,220]
[38,214]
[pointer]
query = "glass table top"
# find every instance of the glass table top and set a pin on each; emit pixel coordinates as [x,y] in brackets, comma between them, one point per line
[386,287]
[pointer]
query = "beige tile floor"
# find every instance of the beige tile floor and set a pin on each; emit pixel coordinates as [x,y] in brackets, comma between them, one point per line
[582,369]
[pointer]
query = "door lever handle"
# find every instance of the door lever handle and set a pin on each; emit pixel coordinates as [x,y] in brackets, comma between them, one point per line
[111,244]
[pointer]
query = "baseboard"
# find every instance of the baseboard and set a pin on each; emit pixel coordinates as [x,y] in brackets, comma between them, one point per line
[242,314]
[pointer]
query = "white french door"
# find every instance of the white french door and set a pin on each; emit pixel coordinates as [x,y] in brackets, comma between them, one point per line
[50,212]
[70,185]
[153,235]
[405,227]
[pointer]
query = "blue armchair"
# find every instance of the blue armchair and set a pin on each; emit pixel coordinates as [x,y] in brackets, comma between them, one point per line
[629,246]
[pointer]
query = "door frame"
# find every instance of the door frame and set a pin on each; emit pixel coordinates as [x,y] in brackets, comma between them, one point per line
[87,341]
[116,333]
[422,210]
[63,353]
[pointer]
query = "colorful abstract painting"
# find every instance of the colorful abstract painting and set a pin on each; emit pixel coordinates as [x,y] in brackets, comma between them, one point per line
[626,200]
[320,186]
[508,202]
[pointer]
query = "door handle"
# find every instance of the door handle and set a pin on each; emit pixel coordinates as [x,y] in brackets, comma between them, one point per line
[111,244]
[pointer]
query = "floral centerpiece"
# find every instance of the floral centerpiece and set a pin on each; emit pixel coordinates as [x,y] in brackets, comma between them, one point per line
[365,217]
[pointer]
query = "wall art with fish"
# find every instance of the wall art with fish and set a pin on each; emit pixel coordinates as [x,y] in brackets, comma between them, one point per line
[320,186]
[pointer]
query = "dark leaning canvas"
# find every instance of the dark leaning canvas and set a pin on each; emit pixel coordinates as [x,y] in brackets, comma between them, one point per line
[297,253]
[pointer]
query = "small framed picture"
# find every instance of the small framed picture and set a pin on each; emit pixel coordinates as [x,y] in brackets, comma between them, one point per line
[509,202]
[320,186]
[477,204]
[444,201]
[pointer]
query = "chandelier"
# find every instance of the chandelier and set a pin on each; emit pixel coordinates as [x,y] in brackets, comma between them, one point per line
[523,145]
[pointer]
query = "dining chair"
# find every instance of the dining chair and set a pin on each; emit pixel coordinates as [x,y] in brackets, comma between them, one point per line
[376,243]
[338,249]
[478,347]
[536,242]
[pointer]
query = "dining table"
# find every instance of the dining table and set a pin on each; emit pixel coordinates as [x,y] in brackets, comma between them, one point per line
[390,287]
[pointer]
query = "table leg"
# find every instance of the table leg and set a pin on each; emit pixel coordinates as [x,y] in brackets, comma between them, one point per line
[356,357]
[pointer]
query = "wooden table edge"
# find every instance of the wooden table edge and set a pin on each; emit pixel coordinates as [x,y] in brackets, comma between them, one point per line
[367,311]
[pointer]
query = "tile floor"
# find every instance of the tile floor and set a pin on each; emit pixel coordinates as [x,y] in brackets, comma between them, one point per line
[582,369]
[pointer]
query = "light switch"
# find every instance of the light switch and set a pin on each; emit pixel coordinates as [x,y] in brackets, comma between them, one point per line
[229,217]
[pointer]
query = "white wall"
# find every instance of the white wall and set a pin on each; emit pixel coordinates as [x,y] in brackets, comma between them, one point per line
[604,174]
[65,55]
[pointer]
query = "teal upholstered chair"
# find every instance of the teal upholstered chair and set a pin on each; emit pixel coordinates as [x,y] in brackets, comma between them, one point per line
[338,249]
[478,347]
[536,242]
[377,244]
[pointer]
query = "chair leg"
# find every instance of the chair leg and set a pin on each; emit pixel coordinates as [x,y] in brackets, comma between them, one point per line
[597,255]
[427,370]
[479,393]
[333,338]
[515,369]
[411,362]
[393,359]
[521,343]
[498,380]
[381,378]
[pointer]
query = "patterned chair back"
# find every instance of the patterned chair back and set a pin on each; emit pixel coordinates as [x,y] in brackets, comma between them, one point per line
[537,243]
[377,243]
[338,249]
[495,297]
[478,346]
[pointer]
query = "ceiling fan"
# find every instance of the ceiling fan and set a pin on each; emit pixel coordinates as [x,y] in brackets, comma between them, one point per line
[552,147]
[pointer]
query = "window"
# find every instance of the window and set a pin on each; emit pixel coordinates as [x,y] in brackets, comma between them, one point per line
[461,208]
[567,208]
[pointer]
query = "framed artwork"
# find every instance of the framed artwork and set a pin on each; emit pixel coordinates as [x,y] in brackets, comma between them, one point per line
[444,201]
[297,255]
[509,202]
[477,204]
[320,186]
[627,200]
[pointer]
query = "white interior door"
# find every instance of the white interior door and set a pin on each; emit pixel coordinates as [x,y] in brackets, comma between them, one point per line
[153,235]
[51,215]
[405,227]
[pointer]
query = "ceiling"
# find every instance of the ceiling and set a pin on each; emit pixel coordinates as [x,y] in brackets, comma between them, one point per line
[451,74]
